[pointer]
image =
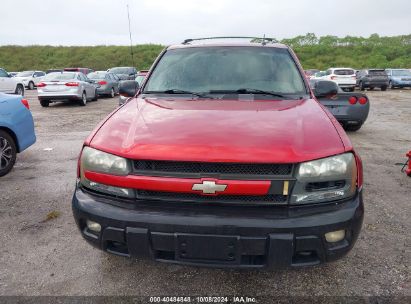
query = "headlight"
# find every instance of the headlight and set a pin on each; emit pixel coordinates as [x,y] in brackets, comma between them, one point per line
[326,179]
[102,162]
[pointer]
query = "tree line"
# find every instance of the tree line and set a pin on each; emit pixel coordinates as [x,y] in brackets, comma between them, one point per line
[314,53]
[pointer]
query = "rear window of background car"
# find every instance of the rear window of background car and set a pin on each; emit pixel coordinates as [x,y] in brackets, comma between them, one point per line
[377,72]
[59,76]
[344,72]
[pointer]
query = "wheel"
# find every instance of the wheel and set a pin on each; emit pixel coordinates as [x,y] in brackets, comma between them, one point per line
[20,90]
[44,103]
[83,100]
[8,152]
[31,85]
[361,86]
[353,128]
[95,96]
[384,88]
[112,93]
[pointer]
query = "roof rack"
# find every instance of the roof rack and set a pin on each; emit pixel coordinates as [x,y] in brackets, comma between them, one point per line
[262,40]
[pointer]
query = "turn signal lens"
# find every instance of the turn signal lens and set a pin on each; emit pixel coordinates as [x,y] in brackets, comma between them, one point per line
[25,103]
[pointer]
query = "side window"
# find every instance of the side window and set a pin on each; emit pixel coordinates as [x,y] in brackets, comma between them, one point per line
[3,73]
[79,77]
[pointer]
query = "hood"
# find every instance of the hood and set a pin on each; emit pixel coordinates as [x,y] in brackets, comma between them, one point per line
[280,131]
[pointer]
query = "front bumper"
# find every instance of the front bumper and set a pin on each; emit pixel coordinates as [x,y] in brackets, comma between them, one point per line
[219,236]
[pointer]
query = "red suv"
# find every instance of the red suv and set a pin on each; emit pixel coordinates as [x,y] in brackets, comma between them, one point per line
[223,158]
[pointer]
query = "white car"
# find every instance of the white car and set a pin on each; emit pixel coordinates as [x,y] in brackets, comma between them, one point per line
[319,75]
[72,86]
[344,77]
[30,78]
[10,84]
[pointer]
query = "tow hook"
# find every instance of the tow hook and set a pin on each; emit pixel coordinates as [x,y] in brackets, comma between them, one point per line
[406,167]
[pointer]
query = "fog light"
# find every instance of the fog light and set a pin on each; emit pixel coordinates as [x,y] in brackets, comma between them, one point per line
[93,226]
[335,236]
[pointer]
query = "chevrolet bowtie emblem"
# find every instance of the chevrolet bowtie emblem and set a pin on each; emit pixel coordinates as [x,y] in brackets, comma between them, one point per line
[209,187]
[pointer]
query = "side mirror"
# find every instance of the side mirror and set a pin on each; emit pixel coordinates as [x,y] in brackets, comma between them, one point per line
[325,88]
[128,88]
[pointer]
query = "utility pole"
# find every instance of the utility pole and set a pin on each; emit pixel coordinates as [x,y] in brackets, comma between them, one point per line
[131,41]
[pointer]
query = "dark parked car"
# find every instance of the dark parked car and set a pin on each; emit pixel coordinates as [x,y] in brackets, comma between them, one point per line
[222,158]
[124,73]
[350,109]
[108,83]
[372,78]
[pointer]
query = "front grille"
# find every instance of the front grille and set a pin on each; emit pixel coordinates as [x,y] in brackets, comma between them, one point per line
[269,199]
[199,169]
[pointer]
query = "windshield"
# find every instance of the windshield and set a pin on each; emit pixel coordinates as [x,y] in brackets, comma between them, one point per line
[208,69]
[25,74]
[97,75]
[401,73]
[59,76]
[121,70]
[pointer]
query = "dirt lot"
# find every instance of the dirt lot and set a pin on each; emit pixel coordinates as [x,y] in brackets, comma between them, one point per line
[49,257]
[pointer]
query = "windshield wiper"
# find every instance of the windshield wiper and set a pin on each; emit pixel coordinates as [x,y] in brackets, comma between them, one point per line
[177,91]
[247,91]
[257,91]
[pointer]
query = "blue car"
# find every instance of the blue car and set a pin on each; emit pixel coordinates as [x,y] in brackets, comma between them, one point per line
[16,130]
[399,78]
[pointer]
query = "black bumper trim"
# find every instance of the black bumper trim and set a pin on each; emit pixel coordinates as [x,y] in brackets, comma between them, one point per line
[240,239]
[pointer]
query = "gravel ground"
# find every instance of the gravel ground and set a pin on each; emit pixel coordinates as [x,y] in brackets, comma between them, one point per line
[49,257]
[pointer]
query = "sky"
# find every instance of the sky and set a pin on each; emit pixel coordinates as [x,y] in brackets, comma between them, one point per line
[104,22]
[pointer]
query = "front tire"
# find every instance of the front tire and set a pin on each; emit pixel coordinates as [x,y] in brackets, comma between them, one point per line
[31,85]
[83,100]
[19,90]
[353,128]
[8,152]
[384,88]
[361,86]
